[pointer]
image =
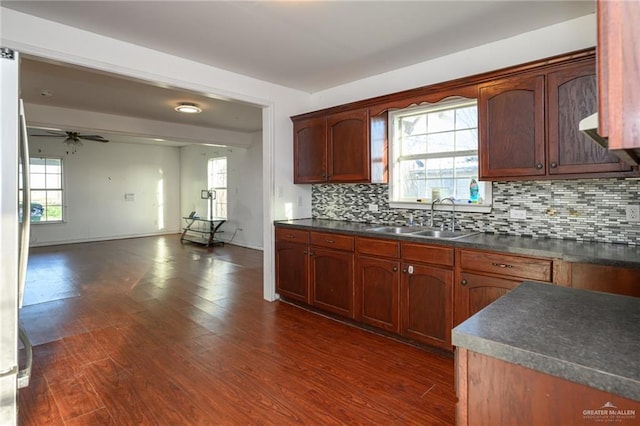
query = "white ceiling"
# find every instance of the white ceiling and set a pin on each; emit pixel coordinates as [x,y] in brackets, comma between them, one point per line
[306,45]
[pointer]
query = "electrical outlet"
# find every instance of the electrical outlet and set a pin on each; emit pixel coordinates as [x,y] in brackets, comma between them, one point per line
[633,213]
[517,214]
[373,207]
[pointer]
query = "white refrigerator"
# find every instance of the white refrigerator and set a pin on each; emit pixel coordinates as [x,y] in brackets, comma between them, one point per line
[14,234]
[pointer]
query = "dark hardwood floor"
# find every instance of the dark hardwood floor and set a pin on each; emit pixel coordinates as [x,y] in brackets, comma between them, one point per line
[149,331]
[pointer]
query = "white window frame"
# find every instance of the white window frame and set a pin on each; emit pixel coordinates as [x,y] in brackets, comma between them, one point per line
[62,190]
[215,202]
[394,173]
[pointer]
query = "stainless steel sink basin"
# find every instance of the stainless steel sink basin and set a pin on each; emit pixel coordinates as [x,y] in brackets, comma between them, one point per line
[422,232]
[444,235]
[393,229]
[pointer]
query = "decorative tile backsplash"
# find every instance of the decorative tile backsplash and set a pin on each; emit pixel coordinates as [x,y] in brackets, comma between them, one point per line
[583,209]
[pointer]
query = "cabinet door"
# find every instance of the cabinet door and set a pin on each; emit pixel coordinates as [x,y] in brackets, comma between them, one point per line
[292,267]
[572,95]
[348,147]
[377,287]
[619,68]
[511,127]
[426,304]
[332,281]
[309,150]
[609,279]
[475,292]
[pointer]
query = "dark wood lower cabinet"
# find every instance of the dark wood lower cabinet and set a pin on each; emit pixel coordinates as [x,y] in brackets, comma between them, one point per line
[474,292]
[426,304]
[332,279]
[292,271]
[377,290]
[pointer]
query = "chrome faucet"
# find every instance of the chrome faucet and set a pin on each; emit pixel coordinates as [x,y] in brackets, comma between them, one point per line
[437,200]
[453,214]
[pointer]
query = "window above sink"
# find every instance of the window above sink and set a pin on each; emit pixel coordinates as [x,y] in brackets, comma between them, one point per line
[434,154]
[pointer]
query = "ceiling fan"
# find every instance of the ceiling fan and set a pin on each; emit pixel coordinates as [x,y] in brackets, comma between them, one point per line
[74,138]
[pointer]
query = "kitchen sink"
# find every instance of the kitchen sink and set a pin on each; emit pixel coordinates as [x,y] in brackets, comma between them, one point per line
[444,235]
[393,229]
[422,232]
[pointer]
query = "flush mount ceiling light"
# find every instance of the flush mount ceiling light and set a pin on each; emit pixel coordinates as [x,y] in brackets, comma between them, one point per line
[188,108]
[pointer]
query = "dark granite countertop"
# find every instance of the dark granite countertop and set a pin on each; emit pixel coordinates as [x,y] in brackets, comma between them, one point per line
[582,336]
[571,251]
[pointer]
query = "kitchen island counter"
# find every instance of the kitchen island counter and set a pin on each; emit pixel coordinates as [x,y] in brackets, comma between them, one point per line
[585,337]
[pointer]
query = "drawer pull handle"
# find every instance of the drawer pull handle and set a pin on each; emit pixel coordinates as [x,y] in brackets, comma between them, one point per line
[331,241]
[464,282]
[501,265]
[290,236]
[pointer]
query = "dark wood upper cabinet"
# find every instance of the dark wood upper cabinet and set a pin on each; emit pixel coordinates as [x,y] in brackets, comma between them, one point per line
[619,75]
[333,148]
[573,95]
[511,127]
[310,150]
[528,125]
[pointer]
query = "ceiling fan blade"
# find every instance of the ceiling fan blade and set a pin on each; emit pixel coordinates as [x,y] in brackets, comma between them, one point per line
[52,134]
[95,138]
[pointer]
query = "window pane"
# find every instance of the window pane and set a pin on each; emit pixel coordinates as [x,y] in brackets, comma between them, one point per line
[413,125]
[467,167]
[413,177]
[467,118]
[440,142]
[39,197]
[54,197]
[440,175]
[36,167]
[412,145]
[53,181]
[53,165]
[467,140]
[440,121]
[53,213]
[38,180]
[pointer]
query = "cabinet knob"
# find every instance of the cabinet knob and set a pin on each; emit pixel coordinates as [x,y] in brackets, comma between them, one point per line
[404,270]
[464,282]
[554,165]
[311,254]
[305,252]
[395,269]
[539,166]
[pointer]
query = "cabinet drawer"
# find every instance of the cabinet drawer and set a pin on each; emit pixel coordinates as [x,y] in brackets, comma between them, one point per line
[375,247]
[423,253]
[336,241]
[512,266]
[295,235]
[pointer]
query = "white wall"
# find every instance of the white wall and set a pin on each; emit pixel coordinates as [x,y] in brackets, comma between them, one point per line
[244,180]
[96,179]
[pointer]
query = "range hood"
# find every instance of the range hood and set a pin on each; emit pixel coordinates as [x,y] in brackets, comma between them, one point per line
[589,126]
